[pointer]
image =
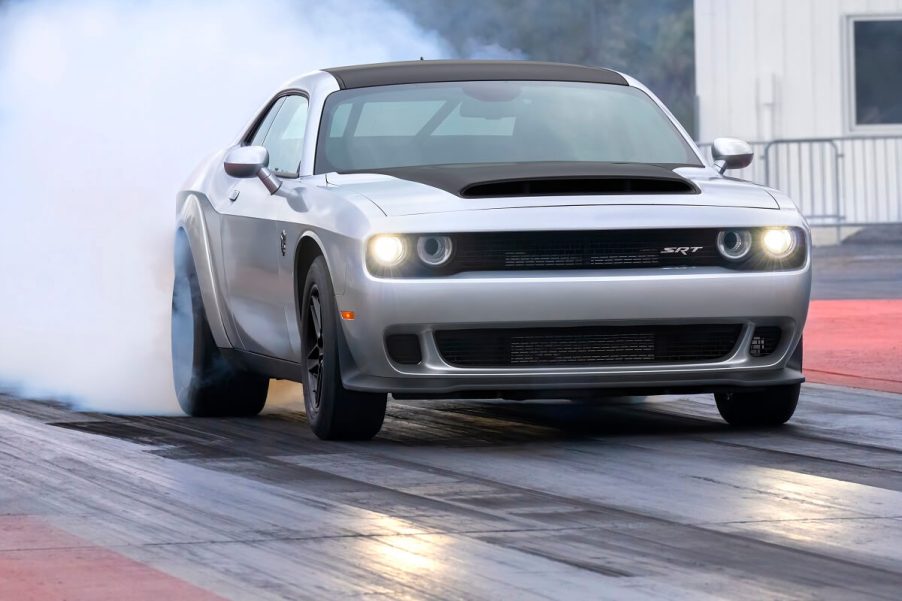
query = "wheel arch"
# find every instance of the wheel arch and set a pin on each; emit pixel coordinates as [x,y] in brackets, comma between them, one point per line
[309,247]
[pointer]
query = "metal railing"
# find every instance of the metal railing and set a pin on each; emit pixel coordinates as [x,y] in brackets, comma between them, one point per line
[855,180]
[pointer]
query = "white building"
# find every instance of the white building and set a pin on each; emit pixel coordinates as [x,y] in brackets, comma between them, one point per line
[831,70]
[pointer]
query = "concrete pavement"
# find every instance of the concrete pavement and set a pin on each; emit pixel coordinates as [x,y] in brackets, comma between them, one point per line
[477,500]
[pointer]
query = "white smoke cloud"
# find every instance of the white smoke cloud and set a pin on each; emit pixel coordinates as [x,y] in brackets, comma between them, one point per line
[105,107]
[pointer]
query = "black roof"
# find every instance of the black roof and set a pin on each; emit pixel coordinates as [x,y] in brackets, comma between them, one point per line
[384,74]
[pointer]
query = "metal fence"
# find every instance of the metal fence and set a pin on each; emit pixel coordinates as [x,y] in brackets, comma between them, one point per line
[854,180]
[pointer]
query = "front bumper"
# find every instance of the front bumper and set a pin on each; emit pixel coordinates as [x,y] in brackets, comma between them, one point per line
[537,299]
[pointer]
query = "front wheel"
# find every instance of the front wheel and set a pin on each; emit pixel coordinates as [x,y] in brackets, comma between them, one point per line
[334,412]
[768,407]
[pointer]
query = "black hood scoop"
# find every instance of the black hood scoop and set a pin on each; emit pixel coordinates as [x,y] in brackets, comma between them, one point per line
[576,186]
[495,180]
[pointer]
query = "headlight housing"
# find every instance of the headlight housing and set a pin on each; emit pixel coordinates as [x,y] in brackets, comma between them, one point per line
[409,254]
[762,248]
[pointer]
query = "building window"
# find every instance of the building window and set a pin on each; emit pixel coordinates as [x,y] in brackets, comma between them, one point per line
[876,72]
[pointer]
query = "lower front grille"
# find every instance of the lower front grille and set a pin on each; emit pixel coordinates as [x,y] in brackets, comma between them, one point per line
[599,345]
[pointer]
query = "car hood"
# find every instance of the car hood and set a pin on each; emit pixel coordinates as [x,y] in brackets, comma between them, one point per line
[414,191]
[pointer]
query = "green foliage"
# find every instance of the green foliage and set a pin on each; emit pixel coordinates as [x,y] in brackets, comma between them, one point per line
[652,40]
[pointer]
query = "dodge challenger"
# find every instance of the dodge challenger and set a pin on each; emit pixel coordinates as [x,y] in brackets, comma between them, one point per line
[482,229]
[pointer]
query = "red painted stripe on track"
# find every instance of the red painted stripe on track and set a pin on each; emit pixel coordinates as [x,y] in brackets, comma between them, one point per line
[41,563]
[855,343]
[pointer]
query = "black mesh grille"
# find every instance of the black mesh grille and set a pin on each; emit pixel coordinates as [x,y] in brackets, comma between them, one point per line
[585,250]
[764,341]
[586,345]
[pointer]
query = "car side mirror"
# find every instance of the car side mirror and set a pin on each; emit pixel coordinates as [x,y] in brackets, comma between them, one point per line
[731,154]
[252,161]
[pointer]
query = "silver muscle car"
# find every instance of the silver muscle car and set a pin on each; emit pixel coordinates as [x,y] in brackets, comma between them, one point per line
[481,229]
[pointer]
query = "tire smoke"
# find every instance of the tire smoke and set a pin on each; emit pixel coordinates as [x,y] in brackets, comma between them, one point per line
[105,107]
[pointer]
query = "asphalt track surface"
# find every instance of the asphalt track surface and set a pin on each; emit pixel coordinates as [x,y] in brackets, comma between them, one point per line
[479,500]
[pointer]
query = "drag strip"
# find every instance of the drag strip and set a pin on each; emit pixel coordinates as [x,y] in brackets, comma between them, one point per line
[855,343]
[461,500]
[853,336]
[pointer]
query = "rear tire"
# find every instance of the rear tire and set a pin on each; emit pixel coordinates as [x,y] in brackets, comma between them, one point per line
[205,383]
[334,412]
[769,407]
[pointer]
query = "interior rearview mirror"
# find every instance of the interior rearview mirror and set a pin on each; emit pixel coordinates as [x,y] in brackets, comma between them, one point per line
[252,161]
[730,153]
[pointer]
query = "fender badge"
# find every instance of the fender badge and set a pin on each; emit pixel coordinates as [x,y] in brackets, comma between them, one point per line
[283,242]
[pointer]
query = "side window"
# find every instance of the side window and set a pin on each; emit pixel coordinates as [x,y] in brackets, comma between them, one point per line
[264,126]
[285,138]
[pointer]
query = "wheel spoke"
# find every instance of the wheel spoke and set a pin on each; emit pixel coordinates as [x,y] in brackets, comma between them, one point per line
[316,315]
[313,343]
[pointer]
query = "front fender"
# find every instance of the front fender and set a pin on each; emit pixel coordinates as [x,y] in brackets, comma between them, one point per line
[190,219]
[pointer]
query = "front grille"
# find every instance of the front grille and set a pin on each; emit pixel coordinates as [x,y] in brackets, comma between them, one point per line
[585,250]
[764,341]
[600,345]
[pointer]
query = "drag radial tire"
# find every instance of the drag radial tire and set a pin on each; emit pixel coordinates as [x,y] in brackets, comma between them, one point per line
[768,407]
[205,383]
[334,412]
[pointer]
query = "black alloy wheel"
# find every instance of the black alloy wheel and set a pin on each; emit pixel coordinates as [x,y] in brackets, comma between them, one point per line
[333,411]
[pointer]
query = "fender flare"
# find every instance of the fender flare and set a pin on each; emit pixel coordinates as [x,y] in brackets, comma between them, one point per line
[192,224]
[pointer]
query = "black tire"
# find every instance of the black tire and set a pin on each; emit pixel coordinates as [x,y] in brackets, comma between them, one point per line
[769,407]
[334,412]
[206,385]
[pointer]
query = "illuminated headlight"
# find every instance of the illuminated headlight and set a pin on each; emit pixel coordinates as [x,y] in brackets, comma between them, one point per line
[779,242]
[734,244]
[387,250]
[434,250]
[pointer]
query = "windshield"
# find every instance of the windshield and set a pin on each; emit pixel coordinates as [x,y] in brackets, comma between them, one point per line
[494,122]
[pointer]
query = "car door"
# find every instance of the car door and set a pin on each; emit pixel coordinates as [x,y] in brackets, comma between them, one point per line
[251,235]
